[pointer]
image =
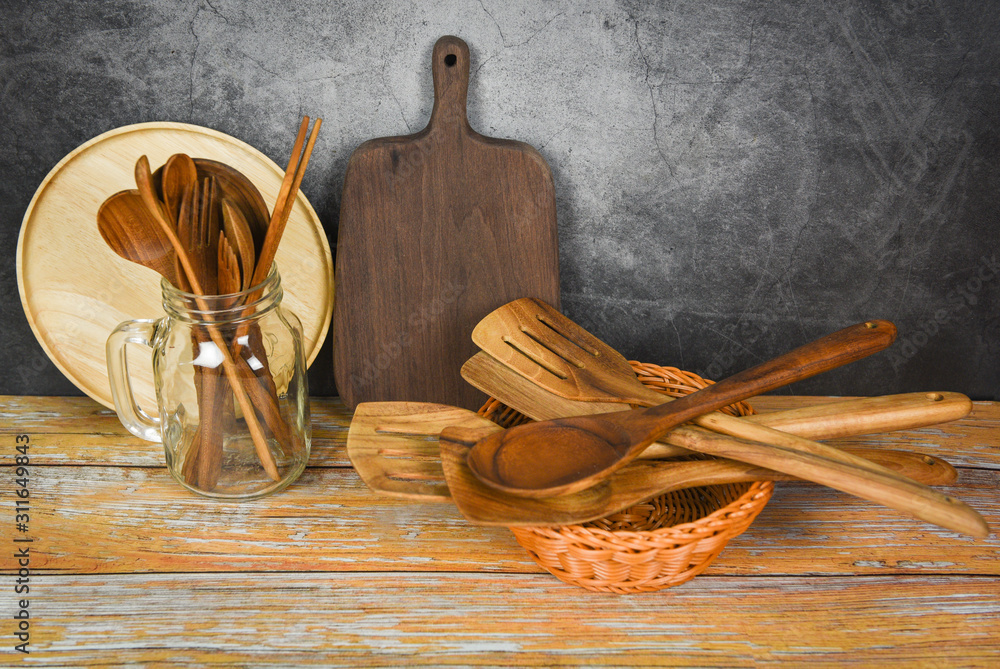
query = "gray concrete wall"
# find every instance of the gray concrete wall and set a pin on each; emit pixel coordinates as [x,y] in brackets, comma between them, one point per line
[732,178]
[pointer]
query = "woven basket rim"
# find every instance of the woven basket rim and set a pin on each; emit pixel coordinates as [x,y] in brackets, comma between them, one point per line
[683,383]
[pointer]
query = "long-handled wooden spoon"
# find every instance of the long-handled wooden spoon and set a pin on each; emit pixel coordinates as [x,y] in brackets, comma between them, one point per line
[863,415]
[178,175]
[394,445]
[568,455]
[546,347]
[635,483]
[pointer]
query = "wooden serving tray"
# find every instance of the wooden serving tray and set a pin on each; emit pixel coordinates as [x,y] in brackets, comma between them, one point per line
[74,288]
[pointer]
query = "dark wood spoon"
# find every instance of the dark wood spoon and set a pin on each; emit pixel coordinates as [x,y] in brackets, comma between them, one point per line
[178,174]
[239,190]
[569,454]
[131,231]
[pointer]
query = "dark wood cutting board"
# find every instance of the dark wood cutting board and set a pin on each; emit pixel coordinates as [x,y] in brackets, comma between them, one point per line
[437,229]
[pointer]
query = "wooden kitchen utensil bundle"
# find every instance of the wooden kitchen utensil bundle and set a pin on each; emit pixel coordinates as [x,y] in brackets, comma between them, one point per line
[205,228]
[384,435]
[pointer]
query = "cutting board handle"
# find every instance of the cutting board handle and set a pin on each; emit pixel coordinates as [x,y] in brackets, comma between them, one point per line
[450,65]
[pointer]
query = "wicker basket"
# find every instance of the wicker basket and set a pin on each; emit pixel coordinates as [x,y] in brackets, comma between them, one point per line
[650,546]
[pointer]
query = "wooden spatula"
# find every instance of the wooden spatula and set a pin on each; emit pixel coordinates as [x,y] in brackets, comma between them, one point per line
[436,230]
[394,445]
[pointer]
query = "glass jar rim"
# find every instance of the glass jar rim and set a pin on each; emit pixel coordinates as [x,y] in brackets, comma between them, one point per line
[248,303]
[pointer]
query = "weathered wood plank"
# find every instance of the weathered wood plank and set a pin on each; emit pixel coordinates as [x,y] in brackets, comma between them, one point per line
[79,431]
[81,415]
[121,449]
[109,519]
[350,619]
[75,430]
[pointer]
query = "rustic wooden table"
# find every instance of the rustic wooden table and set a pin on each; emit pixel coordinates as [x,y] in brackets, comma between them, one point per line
[123,566]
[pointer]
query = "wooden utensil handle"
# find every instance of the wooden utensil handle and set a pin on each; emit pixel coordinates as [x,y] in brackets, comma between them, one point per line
[928,470]
[843,418]
[763,433]
[450,68]
[888,489]
[868,415]
[836,349]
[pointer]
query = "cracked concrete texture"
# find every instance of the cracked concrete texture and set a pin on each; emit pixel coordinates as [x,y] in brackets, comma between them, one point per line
[732,179]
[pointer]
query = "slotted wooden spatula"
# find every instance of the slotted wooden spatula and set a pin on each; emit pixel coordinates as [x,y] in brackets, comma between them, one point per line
[553,352]
[436,230]
[394,445]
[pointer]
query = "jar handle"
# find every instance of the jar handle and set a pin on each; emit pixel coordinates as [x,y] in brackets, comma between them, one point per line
[135,420]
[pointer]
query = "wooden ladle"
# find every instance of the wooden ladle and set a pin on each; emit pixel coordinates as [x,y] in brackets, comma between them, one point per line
[567,455]
[239,190]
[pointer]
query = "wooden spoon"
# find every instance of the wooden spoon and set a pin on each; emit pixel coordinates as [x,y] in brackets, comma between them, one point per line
[553,352]
[635,483]
[394,445]
[131,231]
[865,415]
[239,190]
[240,236]
[179,174]
[570,454]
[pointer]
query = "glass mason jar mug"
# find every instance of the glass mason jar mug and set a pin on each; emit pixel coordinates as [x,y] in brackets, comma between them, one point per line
[230,378]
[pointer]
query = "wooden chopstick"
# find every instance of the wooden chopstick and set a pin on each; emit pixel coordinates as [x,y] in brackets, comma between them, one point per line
[290,168]
[286,197]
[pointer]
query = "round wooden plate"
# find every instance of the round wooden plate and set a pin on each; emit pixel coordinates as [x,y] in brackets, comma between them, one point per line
[74,288]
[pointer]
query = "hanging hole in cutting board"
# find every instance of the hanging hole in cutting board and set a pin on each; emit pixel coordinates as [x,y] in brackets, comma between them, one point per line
[450,59]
